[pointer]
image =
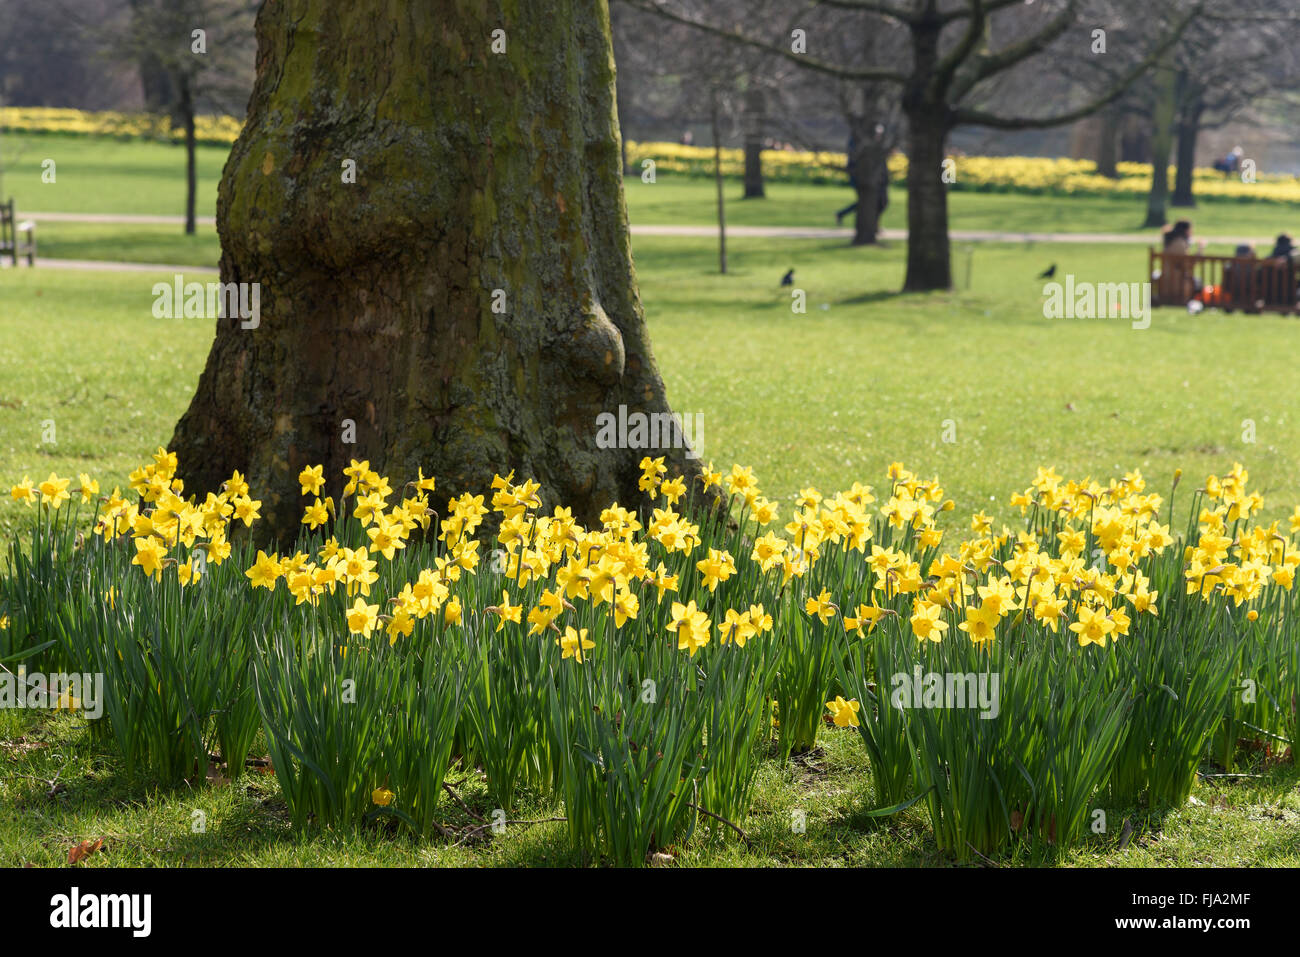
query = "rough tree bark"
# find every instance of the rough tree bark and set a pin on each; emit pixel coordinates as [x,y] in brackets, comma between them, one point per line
[481,178]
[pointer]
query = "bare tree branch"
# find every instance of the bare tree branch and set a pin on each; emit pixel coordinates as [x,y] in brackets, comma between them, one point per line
[977,117]
[811,63]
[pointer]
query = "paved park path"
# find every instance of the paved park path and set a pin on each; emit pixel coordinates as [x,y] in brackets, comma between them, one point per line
[1146,237]
[109,265]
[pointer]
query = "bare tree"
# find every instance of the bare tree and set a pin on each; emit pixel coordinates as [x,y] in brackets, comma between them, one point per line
[1231,67]
[952,56]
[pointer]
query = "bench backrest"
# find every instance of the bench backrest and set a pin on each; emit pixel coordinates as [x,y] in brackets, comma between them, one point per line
[1237,281]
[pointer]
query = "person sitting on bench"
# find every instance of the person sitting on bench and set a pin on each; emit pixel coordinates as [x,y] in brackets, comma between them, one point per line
[1238,278]
[1177,284]
[1281,283]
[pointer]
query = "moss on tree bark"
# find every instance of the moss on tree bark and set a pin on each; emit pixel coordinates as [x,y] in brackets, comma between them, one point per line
[482,177]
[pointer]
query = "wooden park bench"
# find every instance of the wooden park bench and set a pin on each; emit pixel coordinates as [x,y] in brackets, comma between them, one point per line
[11,230]
[1228,282]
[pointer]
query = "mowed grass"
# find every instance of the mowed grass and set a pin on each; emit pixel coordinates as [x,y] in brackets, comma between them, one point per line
[82,354]
[104,175]
[101,174]
[129,242]
[867,377]
[694,202]
[58,788]
[864,378]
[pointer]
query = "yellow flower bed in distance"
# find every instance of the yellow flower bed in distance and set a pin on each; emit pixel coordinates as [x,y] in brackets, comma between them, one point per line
[1005,174]
[219,130]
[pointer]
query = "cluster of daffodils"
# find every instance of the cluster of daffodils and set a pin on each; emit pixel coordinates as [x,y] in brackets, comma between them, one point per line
[159,521]
[54,490]
[1076,568]
[1239,563]
[611,565]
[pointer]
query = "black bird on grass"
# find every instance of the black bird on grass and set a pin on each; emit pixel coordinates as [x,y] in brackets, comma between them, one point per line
[788,278]
[1048,273]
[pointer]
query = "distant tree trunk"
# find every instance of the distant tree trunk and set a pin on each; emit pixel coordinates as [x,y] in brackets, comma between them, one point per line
[717,177]
[1108,143]
[186,108]
[1162,133]
[870,168]
[1134,141]
[1189,128]
[755,120]
[928,263]
[156,85]
[925,105]
[469,303]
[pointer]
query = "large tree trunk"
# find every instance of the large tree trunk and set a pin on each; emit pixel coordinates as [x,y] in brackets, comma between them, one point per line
[929,265]
[1189,128]
[1162,135]
[482,178]
[755,120]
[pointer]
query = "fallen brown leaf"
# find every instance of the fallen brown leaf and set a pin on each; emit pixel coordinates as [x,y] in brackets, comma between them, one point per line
[79,852]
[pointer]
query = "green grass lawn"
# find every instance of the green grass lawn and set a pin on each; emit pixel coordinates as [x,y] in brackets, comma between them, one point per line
[99,174]
[688,204]
[140,243]
[862,379]
[83,351]
[866,377]
[103,175]
[1240,822]
[694,202]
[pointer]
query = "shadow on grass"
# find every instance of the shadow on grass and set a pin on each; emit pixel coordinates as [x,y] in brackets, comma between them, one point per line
[879,295]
